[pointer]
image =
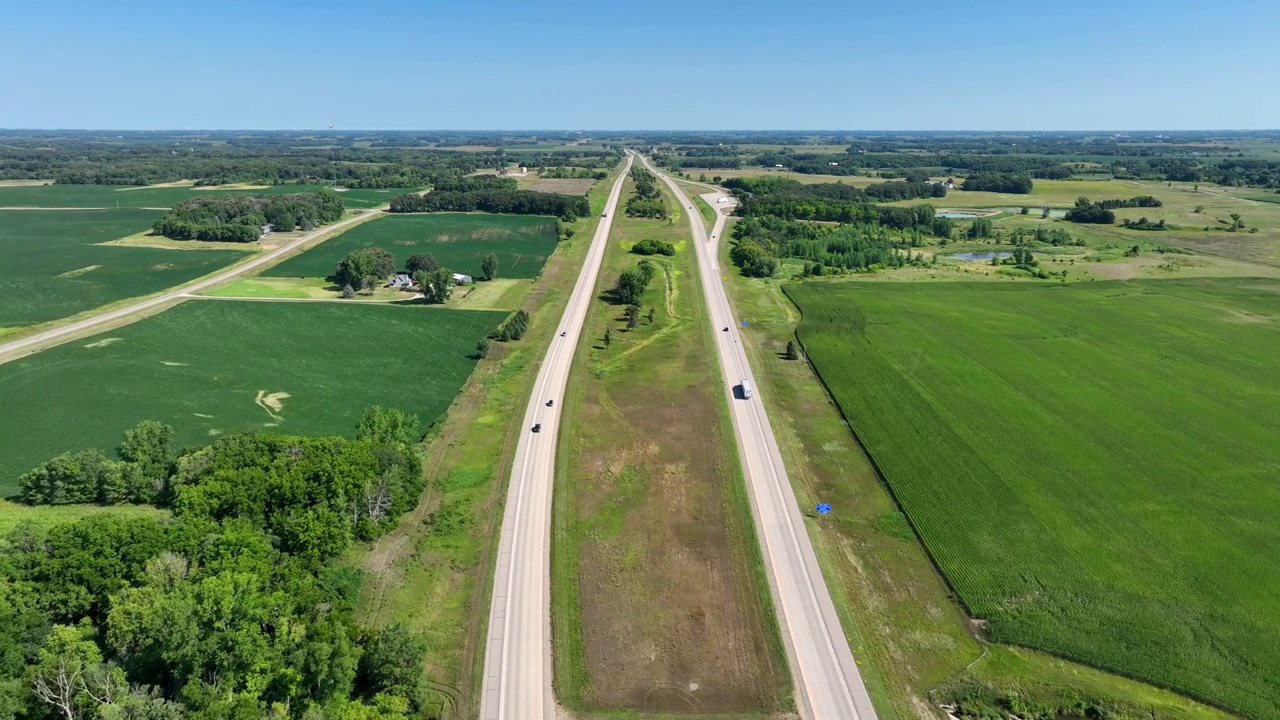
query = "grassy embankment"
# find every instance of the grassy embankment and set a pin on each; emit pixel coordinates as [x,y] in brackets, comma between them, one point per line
[901,620]
[653,538]
[434,572]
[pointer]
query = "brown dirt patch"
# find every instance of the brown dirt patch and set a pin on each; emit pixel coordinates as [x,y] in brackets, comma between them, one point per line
[563,186]
[671,619]
[664,577]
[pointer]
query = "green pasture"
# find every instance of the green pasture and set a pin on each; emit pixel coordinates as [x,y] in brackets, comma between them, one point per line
[458,240]
[209,367]
[54,268]
[13,514]
[118,196]
[1093,466]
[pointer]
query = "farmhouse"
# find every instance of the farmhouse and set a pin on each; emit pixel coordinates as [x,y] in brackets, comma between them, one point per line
[401,281]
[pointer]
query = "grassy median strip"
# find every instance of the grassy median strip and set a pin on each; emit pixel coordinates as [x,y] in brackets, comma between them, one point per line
[659,602]
[914,645]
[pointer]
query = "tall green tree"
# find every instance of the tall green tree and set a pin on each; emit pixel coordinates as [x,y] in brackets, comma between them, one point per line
[490,266]
[365,268]
[421,262]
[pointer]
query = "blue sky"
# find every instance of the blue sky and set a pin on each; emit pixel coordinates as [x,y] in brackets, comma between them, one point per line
[504,64]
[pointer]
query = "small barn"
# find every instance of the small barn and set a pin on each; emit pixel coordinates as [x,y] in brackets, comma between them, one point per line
[460,279]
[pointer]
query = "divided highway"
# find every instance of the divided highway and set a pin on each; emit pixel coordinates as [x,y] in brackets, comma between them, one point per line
[64,332]
[828,685]
[517,665]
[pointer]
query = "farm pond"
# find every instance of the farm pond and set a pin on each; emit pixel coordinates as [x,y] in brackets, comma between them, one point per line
[978,255]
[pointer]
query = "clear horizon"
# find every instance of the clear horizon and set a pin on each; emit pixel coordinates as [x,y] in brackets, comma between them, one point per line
[999,65]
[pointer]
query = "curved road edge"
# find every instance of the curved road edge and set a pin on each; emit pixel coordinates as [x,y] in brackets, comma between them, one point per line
[828,685]
[517,665]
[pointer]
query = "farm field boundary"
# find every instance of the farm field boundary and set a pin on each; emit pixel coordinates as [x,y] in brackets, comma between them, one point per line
[459,241]
[1055,453]
[213,367]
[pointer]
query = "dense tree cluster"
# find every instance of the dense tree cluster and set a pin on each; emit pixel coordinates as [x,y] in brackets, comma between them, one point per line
[910,190]
[239,218]
[572,173]
[515,328]
[436,285]
[759,196]
[757,243]
[653,246]
[1015,183]
[1090,212]
[835,202]
[868,236]
[647,200]
[1143,223]
[1142,201]
[632,282]
[474,182]
[519,202]
[231,609]
[365,268]
[1044,236]
[136,475]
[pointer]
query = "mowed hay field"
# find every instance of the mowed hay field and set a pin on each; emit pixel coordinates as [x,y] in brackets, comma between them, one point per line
[458,240]
[116,196]
[210,367]
[1093,466]
[54,268]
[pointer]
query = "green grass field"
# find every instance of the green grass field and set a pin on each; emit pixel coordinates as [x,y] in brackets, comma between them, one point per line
[1091,465]
[458,240]
[13,514]
[116,196]
[209,367]
[53,267]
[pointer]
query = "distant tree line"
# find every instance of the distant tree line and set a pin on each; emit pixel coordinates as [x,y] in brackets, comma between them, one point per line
[232,608]
[518,202]
[572,173]
[1099,212]
[1015,183]
[474,182]
[1142,201]
[647,200]
[239,218]
[387,160]
[760,196]
[1143,223]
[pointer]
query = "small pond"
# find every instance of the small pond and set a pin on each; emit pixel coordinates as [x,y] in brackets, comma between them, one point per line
[978,256]
[957,215]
